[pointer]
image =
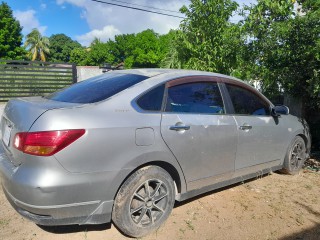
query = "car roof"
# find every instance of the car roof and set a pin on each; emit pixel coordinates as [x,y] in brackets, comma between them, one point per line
[175,73]
[151,72]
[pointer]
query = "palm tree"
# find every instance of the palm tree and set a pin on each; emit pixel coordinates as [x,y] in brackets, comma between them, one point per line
[37,45]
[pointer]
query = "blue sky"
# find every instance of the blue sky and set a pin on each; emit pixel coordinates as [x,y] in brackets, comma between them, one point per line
[82,20]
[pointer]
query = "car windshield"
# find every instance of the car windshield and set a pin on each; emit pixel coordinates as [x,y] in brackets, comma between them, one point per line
[97,88]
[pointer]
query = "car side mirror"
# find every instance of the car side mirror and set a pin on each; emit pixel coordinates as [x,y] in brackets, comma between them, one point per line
[276,111]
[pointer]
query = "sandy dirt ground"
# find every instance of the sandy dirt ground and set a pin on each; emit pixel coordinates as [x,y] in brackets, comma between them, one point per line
[275,206]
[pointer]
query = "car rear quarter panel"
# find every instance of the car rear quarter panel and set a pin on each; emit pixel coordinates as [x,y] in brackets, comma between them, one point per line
[109,143]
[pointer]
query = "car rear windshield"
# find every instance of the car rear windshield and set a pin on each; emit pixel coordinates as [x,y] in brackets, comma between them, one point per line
[97,88]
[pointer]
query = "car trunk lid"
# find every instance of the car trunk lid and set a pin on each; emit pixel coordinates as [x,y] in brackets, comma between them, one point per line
[19,115]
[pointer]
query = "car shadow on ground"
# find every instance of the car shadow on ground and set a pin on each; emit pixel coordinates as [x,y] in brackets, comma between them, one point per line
[308,234]
[75,228]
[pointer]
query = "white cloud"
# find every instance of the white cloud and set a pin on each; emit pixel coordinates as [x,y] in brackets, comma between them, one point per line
[28,21]
[108,20]
[43,6]
[78,3]
[105,20]
[104,34]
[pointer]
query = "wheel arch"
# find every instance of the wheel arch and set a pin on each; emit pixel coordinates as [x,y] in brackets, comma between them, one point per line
[304,138]
[177,177]
[306,141]
[170,169]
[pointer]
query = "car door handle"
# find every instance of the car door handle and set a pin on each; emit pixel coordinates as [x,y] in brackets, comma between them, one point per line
[245,127]
[179,128]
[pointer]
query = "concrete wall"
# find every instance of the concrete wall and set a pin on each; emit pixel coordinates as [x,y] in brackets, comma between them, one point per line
[2,105]
[85,72]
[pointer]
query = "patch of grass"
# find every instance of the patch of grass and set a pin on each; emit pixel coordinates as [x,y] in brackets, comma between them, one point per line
[273,235]
[277,207]
[308,187]
[190,225]
[4,222]
[300,219]
[243,204]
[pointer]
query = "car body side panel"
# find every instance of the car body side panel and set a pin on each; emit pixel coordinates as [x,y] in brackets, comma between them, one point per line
[268,140]
[264,142]
[207,149]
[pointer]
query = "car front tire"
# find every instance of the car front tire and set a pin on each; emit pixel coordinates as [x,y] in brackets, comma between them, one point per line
[295,157]
[144,201]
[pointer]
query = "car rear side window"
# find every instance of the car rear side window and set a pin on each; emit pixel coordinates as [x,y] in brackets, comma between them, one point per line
[246,102]
[152,100]
[97,88]
[197,97]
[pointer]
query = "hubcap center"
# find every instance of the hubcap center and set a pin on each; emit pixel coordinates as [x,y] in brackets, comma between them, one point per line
[149,204]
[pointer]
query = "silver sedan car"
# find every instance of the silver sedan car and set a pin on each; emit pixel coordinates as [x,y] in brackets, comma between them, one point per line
[124,146]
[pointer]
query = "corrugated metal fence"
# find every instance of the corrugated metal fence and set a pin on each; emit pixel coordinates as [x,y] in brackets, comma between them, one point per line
[25,78]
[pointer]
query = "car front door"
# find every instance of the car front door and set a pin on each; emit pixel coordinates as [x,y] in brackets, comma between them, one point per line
[261,139]
[198,132]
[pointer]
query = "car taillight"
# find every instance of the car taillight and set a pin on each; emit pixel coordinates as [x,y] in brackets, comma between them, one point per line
[46,143]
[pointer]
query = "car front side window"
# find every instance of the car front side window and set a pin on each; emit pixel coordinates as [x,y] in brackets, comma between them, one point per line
[195,97]
[246,102]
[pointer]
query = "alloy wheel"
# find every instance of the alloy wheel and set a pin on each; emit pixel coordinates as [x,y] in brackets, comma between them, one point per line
[297,155]
[149,202]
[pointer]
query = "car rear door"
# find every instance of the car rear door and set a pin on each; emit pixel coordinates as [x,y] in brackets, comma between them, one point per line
[261,139]
[197,130]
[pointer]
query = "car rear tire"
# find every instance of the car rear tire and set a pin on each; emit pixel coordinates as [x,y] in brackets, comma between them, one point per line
[144,201]
[295,157]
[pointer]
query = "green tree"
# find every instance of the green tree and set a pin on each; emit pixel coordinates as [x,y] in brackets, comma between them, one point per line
[170,46]
[123,49]
[144,49]
[207,40]
[79,56]
[99,53]
[10,35]
[61,47]
[37,45]
[147,51]
[96,55]
[284,49]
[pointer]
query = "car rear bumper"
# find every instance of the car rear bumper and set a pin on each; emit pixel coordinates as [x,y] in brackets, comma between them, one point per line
[64,214]
[54,196]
